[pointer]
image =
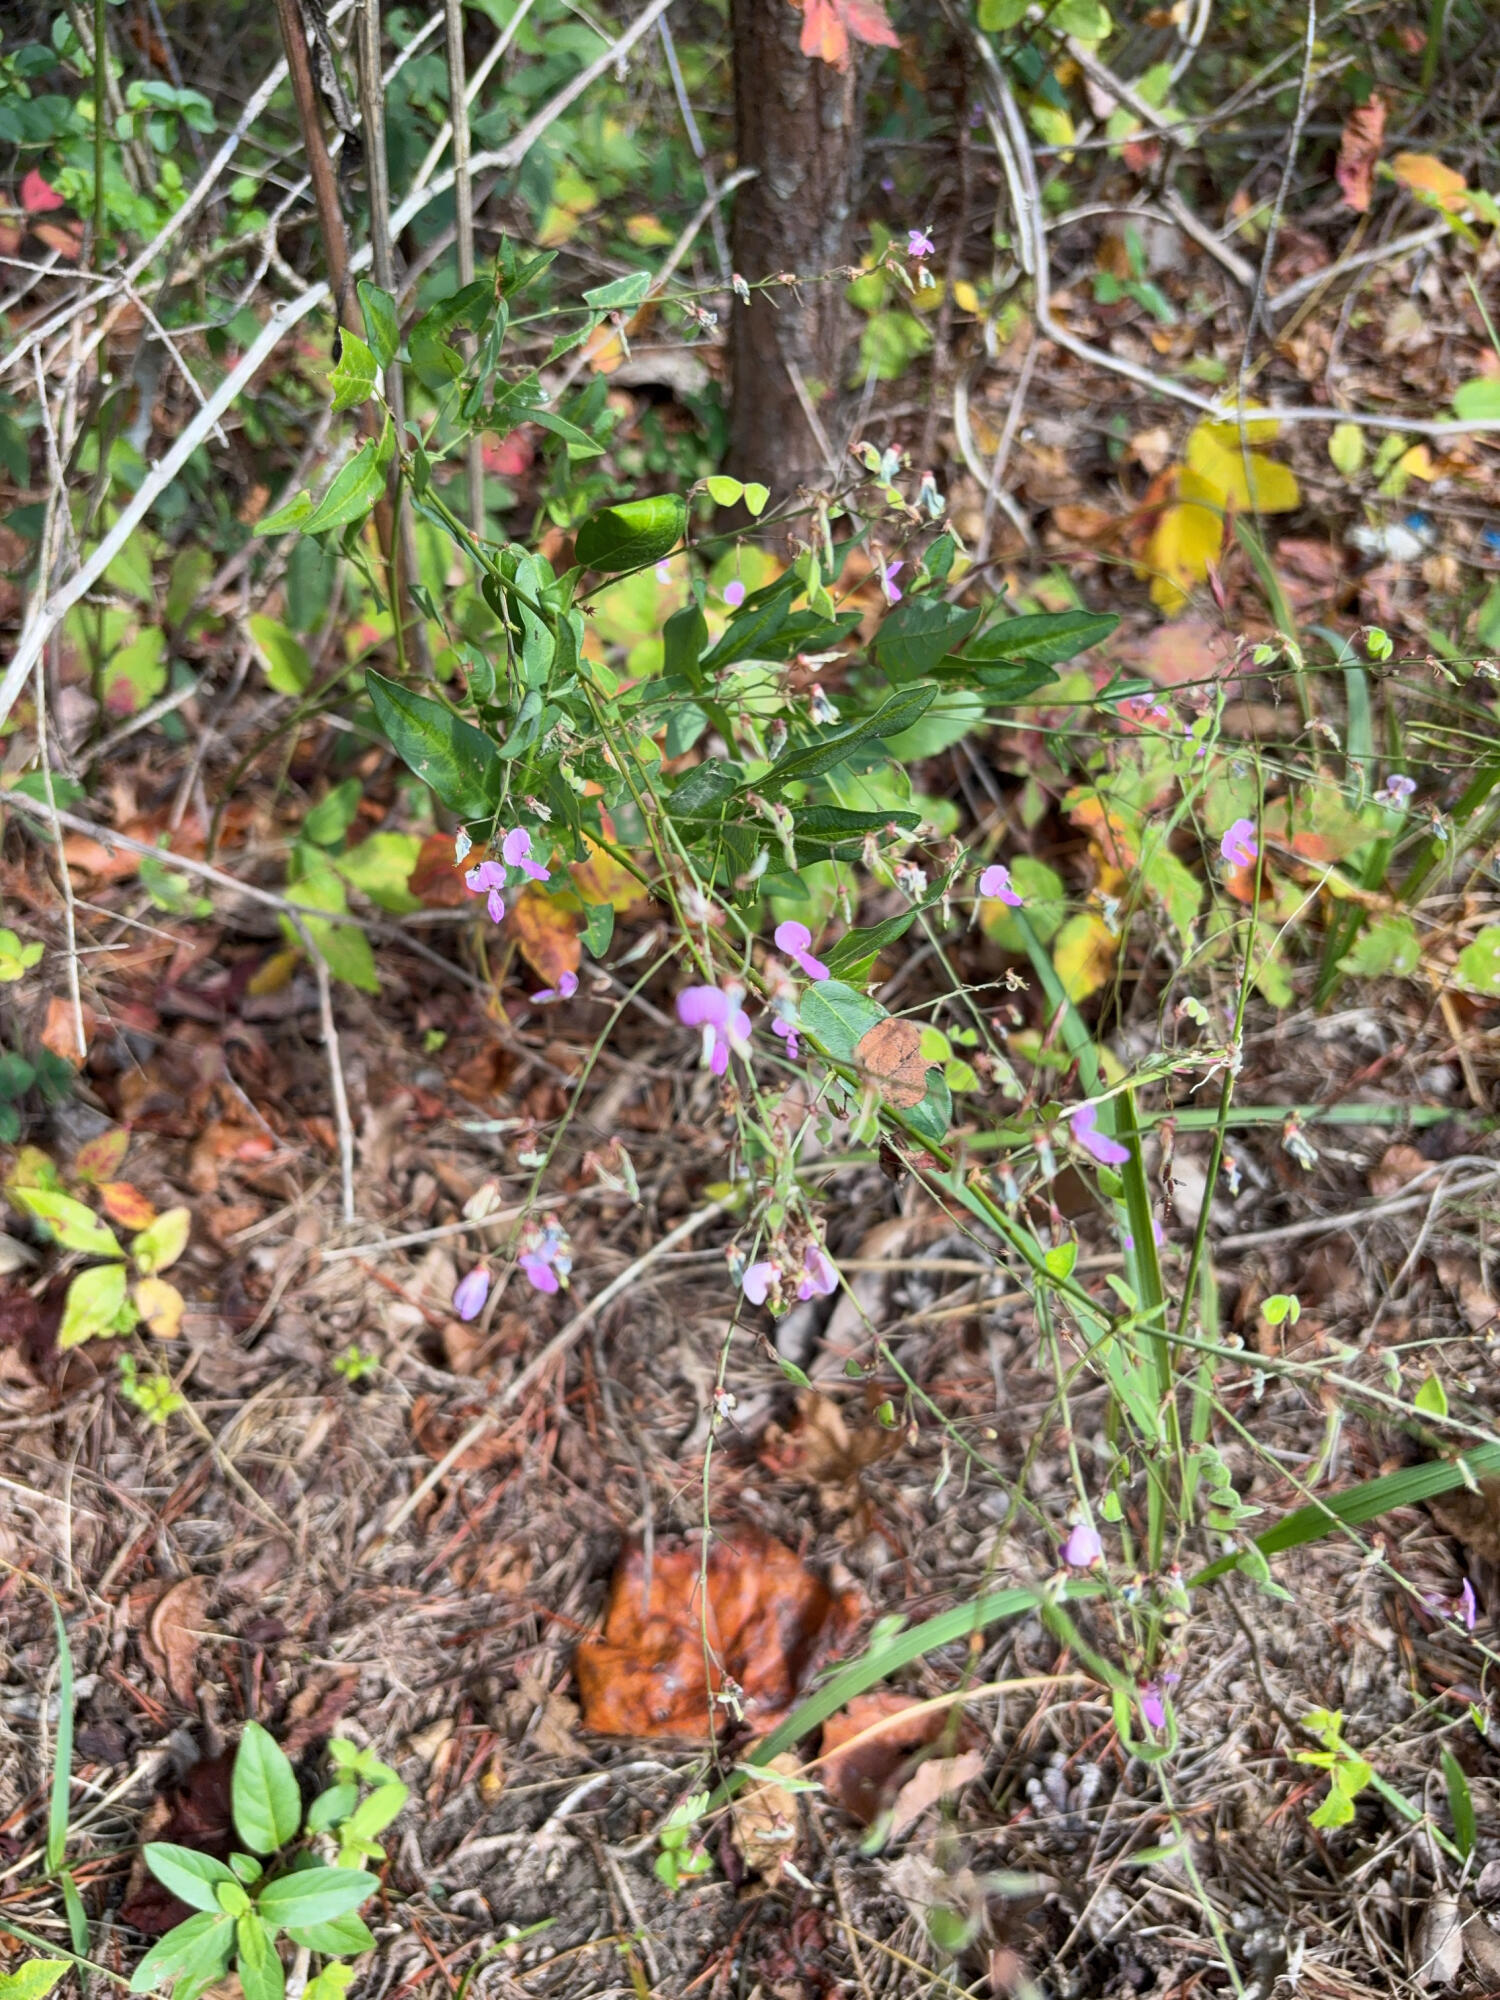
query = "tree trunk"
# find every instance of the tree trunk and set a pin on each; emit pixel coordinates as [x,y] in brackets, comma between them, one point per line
[795,123]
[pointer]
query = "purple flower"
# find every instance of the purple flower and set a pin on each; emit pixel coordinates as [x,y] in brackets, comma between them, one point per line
[1398,789]
[887,184]
[1153,1708]
[538,1270]
[995,881]
[724,1022]
[1239,846]
[516,850]
[888,576]
[919,243]
[1083,1547]
[566,987]
[470,1293]
[488,879]
[1468,1608]
[788,1033]
[758,1281]
[794,938]
[734,594]
[664,571]
[1084,1125]
[547,1262]
[819,1277]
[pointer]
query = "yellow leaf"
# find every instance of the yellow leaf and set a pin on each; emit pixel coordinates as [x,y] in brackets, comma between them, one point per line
[647,230]
[1249,479]
[546,933]
[965,297]
[1347,449]
[1258,429]
[1083,954]
[275,975]
[602,879]
[1424,174]
[160,1305]
[1186,539]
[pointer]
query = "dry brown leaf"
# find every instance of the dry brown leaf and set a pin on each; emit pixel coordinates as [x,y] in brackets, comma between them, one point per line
[763,1819]
[437,880]
[1397,1167]
[548,1718]
[546,933]
[769,1623]
[60,1029]
[437,1430]
[891,1053]
[169,1643]
[933,1780]
[1359,149]
[872,1749]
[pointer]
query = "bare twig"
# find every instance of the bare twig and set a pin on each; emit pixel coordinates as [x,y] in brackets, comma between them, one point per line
[335,1073]
[463,199]
[1357,260]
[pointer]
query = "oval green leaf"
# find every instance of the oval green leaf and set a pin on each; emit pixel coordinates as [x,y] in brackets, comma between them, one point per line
[632,535]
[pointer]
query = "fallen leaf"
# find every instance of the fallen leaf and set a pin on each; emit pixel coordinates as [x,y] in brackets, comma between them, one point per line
[767,1620]
[1397,1166]
[546,933]
[437,881]
[891,1052]
[160,1306]
[169,1643]
[38,196]
[871,1751]
[101,1158]
[602,879]
[933,1780]
[547,1718]
[437,1431]
[60,1029]
[1359,149]
[1248,479]
[1438,1950]
[829,25]
[1424,174]
[199,1817]
[763,1819]
[1185,541]
[1083,954]
[1153,448]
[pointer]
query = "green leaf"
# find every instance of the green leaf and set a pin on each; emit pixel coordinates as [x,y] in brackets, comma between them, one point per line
[34,1980]
[857,947]
[995,16]
[136,674]
[195,1950]
[917,634]
[582,444]
[331,1983]
[375,1813]
[193,1878]
[345,1935]
[684,636]
[358,485]
[353,378]
[934,1114]
[1478,966]
[282,654]
[381,325]
[626,291]
[74,1226]
[331,1806]
[1045,637]
[264,1796]
[17,959]
[1346,448]
[1390,947]
[256,1959]
[459,762]
[314,1895]
[333,815]
[62,1766]
[632,535]
[1084,19]
[598,928]
[723,491]
[948,721]
[1478,401]
[381,867]
[835,748]
[838,1016]
[756,497]
[889,343]
[1460,1804]
[1432,1398]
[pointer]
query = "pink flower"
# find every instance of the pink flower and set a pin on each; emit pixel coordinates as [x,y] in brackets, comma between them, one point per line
[538,1270]
[888,577]
[1153,1708]
[819,1277]
[758,1280]
[1083,1547]
[516,851]
[1397,789]
[1084,1125]
[566,987]
[734,594]
[470,1293]
[919,244]
[788,1033]
[664,571]
[1239,846]
[995,881]
[547,1262]
[488,879]
[794,938]
[724,1022]
[1468,1608]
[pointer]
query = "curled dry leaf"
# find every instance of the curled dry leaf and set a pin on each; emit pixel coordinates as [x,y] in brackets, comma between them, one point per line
[1438,1952]
[170,1639]
[891,1053]
[767,1621]
[872,1751]
[1359,149]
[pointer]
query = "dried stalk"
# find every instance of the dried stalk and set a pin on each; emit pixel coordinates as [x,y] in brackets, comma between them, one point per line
[463,198]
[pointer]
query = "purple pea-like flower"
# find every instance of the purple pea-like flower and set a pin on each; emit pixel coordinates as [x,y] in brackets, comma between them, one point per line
[1239,846]
[487,879]
[566,987]
[1153,1708]
[515,849]
[758,1280]
[787,1030]
[919,244]
[734,593]
[1084,1126]
[1083,1547]
[725,1024]
[1398,789]
[888,574]
[470,1293]
[547,1261]
[996,882]
[539,1270]
[818,1278]
[794,938]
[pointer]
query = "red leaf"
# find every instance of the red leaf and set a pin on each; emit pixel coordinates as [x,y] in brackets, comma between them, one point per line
[37,195]
[828,25]
[1359,149]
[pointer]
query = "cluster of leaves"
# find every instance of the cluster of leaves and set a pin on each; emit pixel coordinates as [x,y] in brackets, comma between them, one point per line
[277,1885]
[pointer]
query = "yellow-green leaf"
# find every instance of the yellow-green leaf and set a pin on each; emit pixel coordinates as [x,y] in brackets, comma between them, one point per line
[93,1304]
[724,491]
[1347,449]
[1083,954]
[159,1247]
[756,497]
[75,1227]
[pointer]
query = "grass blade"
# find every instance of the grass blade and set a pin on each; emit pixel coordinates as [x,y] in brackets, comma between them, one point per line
[62,1758]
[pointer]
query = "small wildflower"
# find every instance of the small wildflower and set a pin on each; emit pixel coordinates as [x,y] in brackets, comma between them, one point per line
[888,575]
[822,708]
[1153,1708]
[471,1292]
[1468,1608]
[739,287]
[758,1281]
[787,1030]
[819,1277]
[487,879]
[462,846]
[1083,1547]
[1397,789]
[1239,846]
[794,938]
[911,880]
[919,244]
[724,1022]
[664,571]
[566,987]
[887,184]
[515,850]
[1084,1126]
[548,1261]
[996,882]
[1141,709]
[929,499]
[734,593]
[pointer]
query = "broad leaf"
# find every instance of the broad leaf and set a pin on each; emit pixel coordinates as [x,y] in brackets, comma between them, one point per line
[917,634]
[457,760]
[381,326]
[196,1950]
[264,1794]
[345,1935]
[158,1247]
[288,669]
[900,712]
[193,1878]
[34,1980]
[1045,637]
[314,1895]
[355,490]
[74,1226]
[256,1960]
[353,378]
[632,535]
[93,1306]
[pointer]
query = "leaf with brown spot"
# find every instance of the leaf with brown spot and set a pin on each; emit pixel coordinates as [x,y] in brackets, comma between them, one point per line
[124,1203]
[101,1159]
[891,1053]
[546,933]
[437,880]
[602,879]
[169,1642]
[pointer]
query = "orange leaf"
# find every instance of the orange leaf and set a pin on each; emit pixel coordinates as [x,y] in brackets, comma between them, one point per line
[60,1030]
[546,933]
[124,1203]
[891,1052]
[1424,174]
[437,881]
[1359,149]
[828,25]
